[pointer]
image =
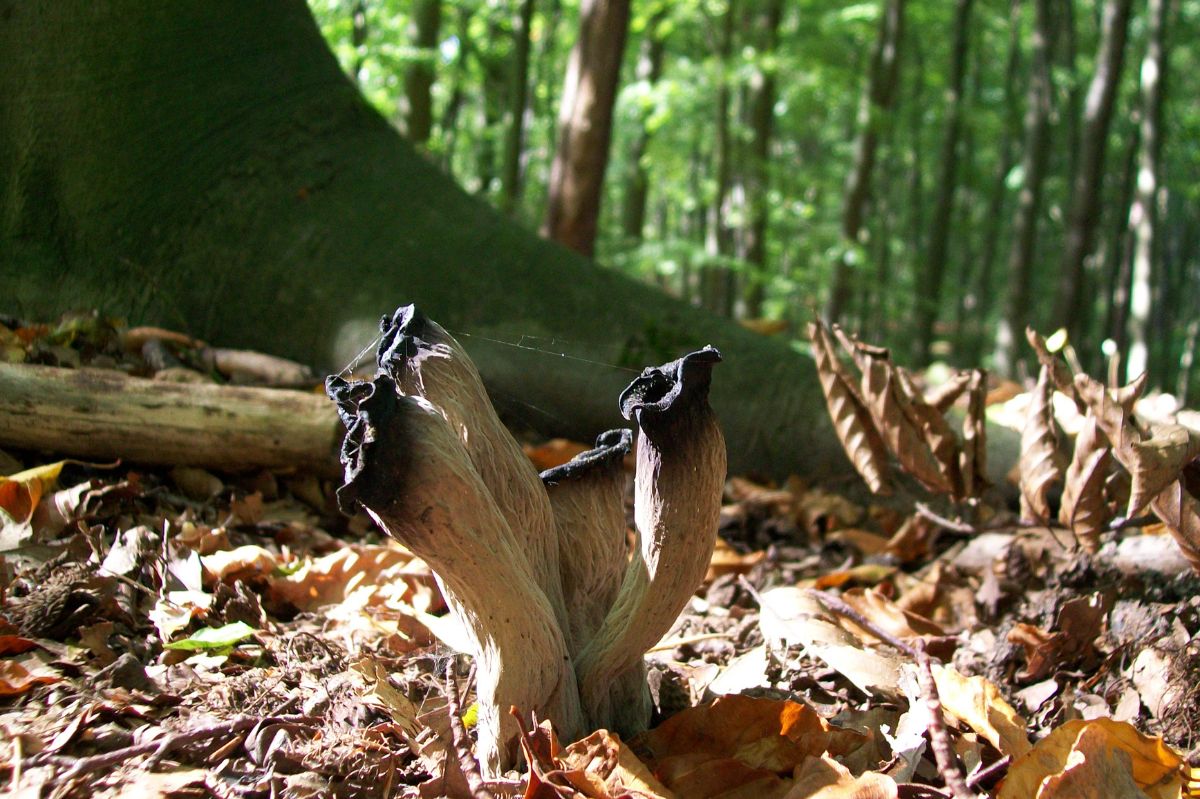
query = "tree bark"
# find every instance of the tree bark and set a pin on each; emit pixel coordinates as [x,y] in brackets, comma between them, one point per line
[929,291]
[637,186]
[1143,211]
[585,125]
[423,28]
[518,94]
[878,97]
[762,118]
[1011,330]
[266,205]
[1084,216]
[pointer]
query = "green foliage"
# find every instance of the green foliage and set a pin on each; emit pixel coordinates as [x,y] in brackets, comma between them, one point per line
[819,69]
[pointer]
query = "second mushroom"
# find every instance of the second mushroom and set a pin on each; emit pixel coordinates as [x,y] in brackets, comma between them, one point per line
[536,567]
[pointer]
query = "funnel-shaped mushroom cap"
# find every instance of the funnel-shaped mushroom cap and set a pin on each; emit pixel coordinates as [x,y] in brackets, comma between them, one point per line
[660,388]
[611,448]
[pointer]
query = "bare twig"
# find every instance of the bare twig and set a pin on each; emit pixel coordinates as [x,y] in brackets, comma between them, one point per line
[946,524]
[989,773]
[939,737]
[462,744]
[158,749]
[842,608]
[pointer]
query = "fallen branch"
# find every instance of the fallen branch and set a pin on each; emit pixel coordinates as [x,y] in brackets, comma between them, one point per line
[104,414]
[939,737]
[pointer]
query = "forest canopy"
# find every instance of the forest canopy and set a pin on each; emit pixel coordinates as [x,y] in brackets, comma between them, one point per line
[936,175]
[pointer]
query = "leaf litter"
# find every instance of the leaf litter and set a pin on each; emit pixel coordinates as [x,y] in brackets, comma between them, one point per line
[179,632]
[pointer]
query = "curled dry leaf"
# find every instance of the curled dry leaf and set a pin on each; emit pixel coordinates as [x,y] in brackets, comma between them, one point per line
[1084,508]
[851,418]
[883,398]
[1041,464]
[948,393]
[1178,509]
[938,435]
[1158,461]
[977,703]
[1060,373]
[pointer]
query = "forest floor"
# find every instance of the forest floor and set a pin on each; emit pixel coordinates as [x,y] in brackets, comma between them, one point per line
[177,632]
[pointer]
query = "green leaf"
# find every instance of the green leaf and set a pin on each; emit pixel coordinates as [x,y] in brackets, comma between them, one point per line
[214,637]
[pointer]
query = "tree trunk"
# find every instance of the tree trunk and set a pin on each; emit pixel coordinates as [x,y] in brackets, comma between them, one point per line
[1010,334]
[418,79]
[717,278]
[1144,208]
[585,125]
[262,203]
[637,186]
[358,38]
[518,94]
[762,117]
[929,290]
[1084,216]
[878,97]
[982,290]
[493,102]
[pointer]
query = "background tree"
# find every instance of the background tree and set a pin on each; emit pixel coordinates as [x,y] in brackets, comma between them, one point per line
[585,125]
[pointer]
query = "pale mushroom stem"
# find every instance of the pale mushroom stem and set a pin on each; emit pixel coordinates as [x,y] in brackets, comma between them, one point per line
[680,474]
[426,361]
[408,468]
[587,495]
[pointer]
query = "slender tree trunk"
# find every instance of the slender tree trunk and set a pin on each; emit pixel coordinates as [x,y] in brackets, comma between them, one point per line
[929,290]
[518,94]
[1084,216]
[418,79]
[915,187]
[717,278]
[358,38]
[982,288]
[585,125]
[637,186]
[762,117]
[1143,209]
[458,74]
[879,95]
[493,102]
[1011,330]
[1120,250]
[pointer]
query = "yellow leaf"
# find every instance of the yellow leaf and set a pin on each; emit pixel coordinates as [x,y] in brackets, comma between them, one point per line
[977,702]
[21,492]
[1155,768]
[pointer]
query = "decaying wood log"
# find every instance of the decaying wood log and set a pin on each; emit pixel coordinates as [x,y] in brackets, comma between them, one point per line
[105,415]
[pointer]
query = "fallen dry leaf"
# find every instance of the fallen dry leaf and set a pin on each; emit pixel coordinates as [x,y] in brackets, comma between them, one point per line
[851,418]
[977,703]
[18,675]
[1154,767]
[1041,464]
[1084,507]
[21,492]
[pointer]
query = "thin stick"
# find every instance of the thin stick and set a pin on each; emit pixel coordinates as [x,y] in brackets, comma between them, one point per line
[842,608]
[160,748]
[982,775]
[939,737]
[467,762]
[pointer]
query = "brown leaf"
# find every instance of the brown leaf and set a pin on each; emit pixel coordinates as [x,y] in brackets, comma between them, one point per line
[973,466]
[1158,461]
[1178,509]
[882,397]
[851,419]
[1084,508]
[1060,373]
[1092,745]
[1041,463]
[938,436]
[947,393]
